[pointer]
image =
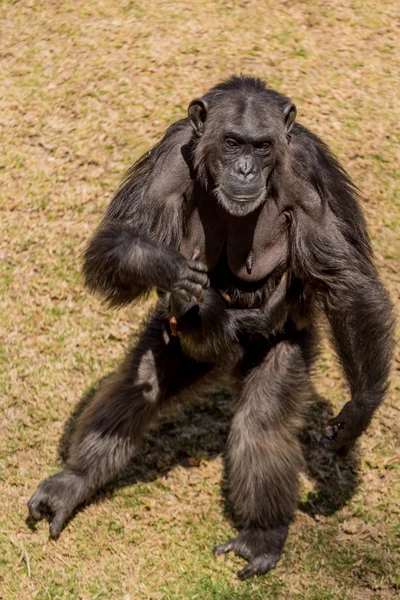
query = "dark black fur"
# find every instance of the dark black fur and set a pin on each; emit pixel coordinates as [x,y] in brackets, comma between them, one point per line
[276,224]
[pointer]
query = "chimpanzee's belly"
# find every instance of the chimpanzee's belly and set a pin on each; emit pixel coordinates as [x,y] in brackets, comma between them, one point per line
[254,246]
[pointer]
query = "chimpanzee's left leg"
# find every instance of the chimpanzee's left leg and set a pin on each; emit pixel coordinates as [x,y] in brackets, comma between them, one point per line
[265,457]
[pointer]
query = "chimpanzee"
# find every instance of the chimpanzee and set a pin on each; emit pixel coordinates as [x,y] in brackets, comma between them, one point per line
[249,228]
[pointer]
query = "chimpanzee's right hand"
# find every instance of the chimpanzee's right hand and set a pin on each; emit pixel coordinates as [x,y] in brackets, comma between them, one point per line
[172,272]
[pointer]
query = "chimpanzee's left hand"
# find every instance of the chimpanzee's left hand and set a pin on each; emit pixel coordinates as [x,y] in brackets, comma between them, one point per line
[344,429]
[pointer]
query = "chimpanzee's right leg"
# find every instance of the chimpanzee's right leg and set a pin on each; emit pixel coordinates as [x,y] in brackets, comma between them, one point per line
[112,426]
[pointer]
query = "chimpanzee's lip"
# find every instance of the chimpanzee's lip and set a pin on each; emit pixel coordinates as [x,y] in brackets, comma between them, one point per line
[243,197]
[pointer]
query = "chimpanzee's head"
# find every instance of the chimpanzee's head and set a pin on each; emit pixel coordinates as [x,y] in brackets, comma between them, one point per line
[242,131]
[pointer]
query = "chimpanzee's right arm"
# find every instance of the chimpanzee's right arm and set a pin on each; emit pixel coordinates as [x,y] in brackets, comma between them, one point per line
[135,248]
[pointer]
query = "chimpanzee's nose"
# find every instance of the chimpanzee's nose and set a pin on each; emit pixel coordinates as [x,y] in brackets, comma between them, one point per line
[245,169]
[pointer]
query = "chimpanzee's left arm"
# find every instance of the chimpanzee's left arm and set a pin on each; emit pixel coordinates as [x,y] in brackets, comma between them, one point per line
[335,257]
[213,317]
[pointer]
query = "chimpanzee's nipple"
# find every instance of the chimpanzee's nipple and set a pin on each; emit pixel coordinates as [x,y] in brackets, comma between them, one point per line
[249,263]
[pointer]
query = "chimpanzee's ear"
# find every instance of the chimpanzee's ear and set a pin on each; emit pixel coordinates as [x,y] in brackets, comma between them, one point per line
[197,112]
[289,114]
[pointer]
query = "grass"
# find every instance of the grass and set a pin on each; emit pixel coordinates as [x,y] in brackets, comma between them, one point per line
[85,88]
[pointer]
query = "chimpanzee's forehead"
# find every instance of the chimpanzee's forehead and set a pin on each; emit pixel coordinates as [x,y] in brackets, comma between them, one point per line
[253,116]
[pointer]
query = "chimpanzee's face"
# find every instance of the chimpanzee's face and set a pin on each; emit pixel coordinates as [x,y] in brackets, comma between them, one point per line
[241,143]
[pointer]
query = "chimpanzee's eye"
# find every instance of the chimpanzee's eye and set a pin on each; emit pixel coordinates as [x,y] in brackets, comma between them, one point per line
[231,142]
[263,147]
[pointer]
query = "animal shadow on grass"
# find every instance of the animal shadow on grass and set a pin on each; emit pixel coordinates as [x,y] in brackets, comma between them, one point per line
[200,432]
[335,477]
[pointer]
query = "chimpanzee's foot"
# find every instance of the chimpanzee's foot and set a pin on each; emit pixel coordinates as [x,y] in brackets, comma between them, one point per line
[56,498]
[261,547]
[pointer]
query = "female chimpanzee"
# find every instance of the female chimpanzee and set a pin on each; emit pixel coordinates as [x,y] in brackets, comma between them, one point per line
[247,226]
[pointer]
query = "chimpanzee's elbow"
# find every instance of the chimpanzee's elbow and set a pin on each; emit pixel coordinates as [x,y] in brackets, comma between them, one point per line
[104,267]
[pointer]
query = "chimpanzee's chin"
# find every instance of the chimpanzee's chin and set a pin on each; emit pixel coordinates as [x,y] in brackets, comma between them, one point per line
[239,206]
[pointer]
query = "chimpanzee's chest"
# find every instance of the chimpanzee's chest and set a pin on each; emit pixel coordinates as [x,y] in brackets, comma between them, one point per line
[255,245]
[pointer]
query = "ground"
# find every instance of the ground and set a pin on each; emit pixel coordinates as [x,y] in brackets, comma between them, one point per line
[85,88]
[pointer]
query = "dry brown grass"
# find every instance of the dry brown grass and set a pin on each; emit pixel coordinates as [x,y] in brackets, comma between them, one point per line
[85,87]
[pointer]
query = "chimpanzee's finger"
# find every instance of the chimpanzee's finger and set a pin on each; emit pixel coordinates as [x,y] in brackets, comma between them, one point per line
[199,277]
[57,523]
[224,548]
[182,295]
[196,265]
[258,566]
[35,507]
